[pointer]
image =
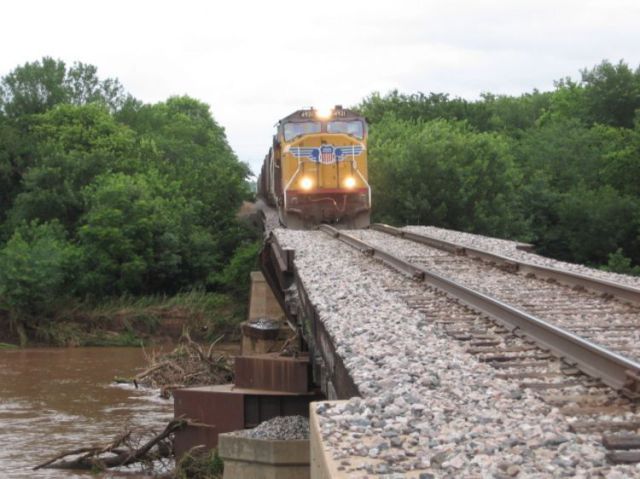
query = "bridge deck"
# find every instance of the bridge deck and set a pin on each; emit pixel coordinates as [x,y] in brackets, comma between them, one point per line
[427,404]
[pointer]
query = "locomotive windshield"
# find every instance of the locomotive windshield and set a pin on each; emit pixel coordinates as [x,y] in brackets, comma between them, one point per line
[292,130]
[353,128]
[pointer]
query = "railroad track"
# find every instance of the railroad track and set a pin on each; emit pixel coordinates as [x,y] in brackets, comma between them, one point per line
[591,373]
[605,313]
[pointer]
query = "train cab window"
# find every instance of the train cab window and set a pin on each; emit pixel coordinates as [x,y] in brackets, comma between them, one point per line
[353,128]
[292,130]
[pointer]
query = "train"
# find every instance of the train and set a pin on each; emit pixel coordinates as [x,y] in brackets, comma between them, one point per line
[316,170]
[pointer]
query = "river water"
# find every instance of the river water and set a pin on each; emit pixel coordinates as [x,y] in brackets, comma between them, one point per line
[52,400]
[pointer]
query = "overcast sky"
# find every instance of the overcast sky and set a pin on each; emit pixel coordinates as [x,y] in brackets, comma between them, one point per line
[257,61]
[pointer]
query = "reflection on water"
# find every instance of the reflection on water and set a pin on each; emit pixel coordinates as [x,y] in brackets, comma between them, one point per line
[53,400]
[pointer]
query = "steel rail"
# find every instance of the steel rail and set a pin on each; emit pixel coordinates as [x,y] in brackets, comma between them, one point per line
[611,368]
[621,291]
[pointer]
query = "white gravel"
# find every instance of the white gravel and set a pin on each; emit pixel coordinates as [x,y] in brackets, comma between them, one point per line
[427,405]
[508,248]
[281,428]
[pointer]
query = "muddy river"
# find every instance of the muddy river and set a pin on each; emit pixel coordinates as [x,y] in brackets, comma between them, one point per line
[53,400]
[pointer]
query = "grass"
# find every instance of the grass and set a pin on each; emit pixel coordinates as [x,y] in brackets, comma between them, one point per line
[109,338]
[7,346]
[132,321]
[199,311]
[200,466]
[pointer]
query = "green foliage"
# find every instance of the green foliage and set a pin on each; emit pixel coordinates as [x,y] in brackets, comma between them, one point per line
[36,267]
[142,198]
[9,177]
[619,263]
[235,276]
[38,86]
[593,223]
[492,113]
[200,465]
[581,195]
[135,234]
[607,94]
[612,93]
[443,173]
[33,87]
[74,144]
[129,320]
[193,147]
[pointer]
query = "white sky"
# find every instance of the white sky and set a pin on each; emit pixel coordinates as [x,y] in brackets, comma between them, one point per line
[257,61]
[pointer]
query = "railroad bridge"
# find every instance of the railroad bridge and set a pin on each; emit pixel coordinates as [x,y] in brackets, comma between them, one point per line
[442,354]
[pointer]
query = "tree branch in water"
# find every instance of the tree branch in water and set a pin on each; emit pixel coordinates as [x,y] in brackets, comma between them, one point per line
[118,452]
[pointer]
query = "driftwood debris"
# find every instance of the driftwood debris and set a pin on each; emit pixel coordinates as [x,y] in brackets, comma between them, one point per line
[188,364]
[122,451]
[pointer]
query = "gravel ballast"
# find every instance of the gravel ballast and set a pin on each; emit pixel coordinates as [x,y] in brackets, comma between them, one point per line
[282,428]
[604,321]
[427,407]
[508,248]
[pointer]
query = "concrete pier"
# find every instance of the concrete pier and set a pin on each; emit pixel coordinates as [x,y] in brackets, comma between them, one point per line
[249,458]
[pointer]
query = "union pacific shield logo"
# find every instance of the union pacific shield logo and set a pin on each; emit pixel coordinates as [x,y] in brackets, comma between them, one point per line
[327,155]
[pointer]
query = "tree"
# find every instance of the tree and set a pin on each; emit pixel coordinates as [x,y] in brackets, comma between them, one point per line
[193,148]
[444,174]
[612,93]
[34,87]
[9,174]
[84,86]
[39,86]
[596,222]
[137,236]
[142,199]
[36,268]
[501,113]
[71,145]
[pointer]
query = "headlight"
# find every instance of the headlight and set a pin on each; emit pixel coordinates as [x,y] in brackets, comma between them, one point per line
[349,182]
[324,113]
[306,183]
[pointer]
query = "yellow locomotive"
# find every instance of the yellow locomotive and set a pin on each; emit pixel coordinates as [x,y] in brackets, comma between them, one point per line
[316,170]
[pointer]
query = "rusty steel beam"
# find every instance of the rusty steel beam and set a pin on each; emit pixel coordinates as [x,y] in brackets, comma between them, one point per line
[621,291]
[611,368]
[336,381]
[276,265]
[273,372]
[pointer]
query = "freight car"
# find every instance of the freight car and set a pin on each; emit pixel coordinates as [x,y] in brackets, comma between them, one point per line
[316,170]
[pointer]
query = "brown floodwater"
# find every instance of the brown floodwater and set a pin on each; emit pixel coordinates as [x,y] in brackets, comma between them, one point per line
[52,400]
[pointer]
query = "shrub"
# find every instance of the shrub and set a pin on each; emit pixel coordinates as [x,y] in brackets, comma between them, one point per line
[35,272]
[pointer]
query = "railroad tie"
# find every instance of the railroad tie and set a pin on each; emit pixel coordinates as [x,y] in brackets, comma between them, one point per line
[583,426]
[624,448]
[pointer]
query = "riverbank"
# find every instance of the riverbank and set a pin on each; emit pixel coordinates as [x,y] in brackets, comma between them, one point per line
[128,321]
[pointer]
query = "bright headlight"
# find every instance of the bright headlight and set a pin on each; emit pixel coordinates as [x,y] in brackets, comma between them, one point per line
[350,182]
[306,183]
[324,113]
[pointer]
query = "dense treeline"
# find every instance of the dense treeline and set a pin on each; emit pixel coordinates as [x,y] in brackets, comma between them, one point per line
[103,196]
[560,169]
